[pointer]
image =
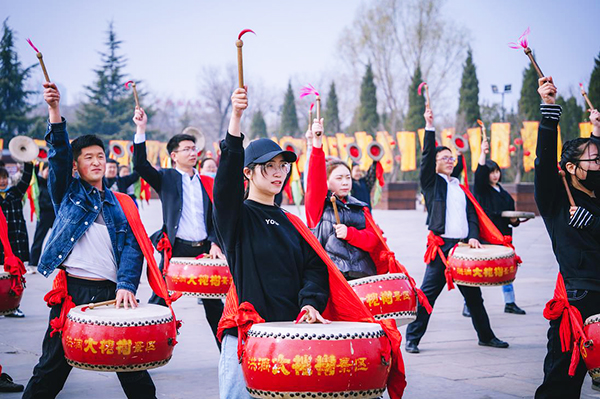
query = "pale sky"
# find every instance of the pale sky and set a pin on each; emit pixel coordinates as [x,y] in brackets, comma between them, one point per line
[168,42]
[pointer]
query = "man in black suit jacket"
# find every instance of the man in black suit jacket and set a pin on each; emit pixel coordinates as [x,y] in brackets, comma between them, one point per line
[187,208]
[452,216]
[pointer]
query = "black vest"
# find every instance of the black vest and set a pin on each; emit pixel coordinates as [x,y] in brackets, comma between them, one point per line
[353,262]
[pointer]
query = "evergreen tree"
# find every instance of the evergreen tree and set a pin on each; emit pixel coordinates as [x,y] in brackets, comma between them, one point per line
[594,88]
[416,104]
[572,114]
[258,127]
[289,116]
[110,107]
[468,105]
[13,96]
[332,117]
[368,119]
[529,103]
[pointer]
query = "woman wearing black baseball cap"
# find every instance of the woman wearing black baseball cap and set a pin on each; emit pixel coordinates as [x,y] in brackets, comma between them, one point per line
[275,271]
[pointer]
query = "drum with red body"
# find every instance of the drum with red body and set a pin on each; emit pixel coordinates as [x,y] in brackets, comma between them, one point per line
[341,359]
[481,267]
[590,349]
[387,296]
[203,278]
[109,339]
[8,301]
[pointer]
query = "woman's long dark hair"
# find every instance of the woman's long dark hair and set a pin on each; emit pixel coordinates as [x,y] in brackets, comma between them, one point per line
[252,168]
[492,167]
[572,152]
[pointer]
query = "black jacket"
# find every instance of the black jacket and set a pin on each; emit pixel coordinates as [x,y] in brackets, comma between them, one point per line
[577,251]
[44,199]
[122,183]
[493,202]
[12,206]
[435,191]
[361,189]
[167,183]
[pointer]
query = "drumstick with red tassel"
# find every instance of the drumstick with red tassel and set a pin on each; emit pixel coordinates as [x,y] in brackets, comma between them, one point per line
[482,125]
[523,43]
[41,59]
[131,84]
[309,90]
[239,44]
[419,91]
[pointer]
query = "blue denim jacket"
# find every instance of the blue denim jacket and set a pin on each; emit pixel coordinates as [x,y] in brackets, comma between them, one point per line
[77,204]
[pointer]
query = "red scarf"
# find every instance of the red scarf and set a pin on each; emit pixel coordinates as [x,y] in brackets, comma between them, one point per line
[571,323]
[12,264]
[343,305]
[59,293]
[488,232]
[385,261]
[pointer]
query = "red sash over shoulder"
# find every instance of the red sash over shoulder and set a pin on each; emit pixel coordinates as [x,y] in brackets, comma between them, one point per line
[571,323]
[343,305]
[488,232]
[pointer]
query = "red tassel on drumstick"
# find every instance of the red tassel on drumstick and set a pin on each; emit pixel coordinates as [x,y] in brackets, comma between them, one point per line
[482,125]
[419,91]
[523,43]
[131,84]
[307,91]
[41,59]
[239,44]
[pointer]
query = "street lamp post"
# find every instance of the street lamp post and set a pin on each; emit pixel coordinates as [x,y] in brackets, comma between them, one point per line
[507,90]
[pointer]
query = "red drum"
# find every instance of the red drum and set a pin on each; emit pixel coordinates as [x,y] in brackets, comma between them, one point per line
[481,267]
[590,350]
[341,359]
[109,339]
[8,302]
[388,296]
[203,278]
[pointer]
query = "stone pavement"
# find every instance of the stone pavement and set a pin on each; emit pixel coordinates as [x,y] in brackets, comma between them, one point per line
[450,365]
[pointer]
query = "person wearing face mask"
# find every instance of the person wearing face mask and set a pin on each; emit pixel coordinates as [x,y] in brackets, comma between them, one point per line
[575,235]
[11,202]
[349,242]
[208,167]
[451,218]
[495,199]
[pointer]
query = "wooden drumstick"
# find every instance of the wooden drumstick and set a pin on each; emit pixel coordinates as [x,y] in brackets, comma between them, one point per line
[131,84]
[239,44]
[585,96]
[567,189]
[335,210]
[105,303]
[41,60]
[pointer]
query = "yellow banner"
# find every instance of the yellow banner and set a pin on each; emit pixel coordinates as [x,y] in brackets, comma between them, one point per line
[362,140]
[474,134]
[421,133]
[333,146]
[585,129]
[386,141]
[500,143]
[153,148]
[407,144]
[343,141]
[124,157]
[529,135]
[447,135]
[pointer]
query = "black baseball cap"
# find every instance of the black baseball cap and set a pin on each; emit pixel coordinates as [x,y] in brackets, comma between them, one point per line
[263,150]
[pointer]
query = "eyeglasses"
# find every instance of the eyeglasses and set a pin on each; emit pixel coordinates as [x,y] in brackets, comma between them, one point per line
[595,160]
[271,168]
[187,149]
[447,159]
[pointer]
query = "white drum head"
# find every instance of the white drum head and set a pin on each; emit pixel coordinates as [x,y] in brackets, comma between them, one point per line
[197,262]
[336,330]
[4,274]
[379,277]
[109,315]
[488,252]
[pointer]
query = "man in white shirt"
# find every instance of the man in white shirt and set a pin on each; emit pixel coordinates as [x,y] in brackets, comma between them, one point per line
[186,204]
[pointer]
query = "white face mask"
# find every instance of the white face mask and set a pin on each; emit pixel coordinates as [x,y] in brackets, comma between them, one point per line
[210,174]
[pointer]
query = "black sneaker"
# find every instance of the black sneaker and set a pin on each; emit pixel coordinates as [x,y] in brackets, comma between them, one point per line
[7,384]
[513,308]
[411,347]
[17,313]
[494,343]
[466,311]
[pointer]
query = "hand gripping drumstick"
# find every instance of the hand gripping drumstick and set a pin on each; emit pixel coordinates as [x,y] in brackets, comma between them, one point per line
[41,59]
[335,210]
[567,189]
[239,44]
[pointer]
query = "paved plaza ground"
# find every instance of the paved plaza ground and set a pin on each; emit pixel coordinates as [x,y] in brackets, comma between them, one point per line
[450,365]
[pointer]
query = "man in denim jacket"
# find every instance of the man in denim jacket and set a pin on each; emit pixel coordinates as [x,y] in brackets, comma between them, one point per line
[91,241]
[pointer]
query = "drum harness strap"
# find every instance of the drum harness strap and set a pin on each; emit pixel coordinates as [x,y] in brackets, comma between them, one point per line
[12,264]
[393,265]
[343,305]
[571,324]
[59,293]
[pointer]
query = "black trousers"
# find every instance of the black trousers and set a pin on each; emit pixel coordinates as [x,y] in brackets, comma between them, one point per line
[213,308]
[43,225]
[52,370]
[557,383]
[433,284]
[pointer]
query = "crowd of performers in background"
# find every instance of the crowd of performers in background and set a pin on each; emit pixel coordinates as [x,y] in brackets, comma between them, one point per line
[229,209]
